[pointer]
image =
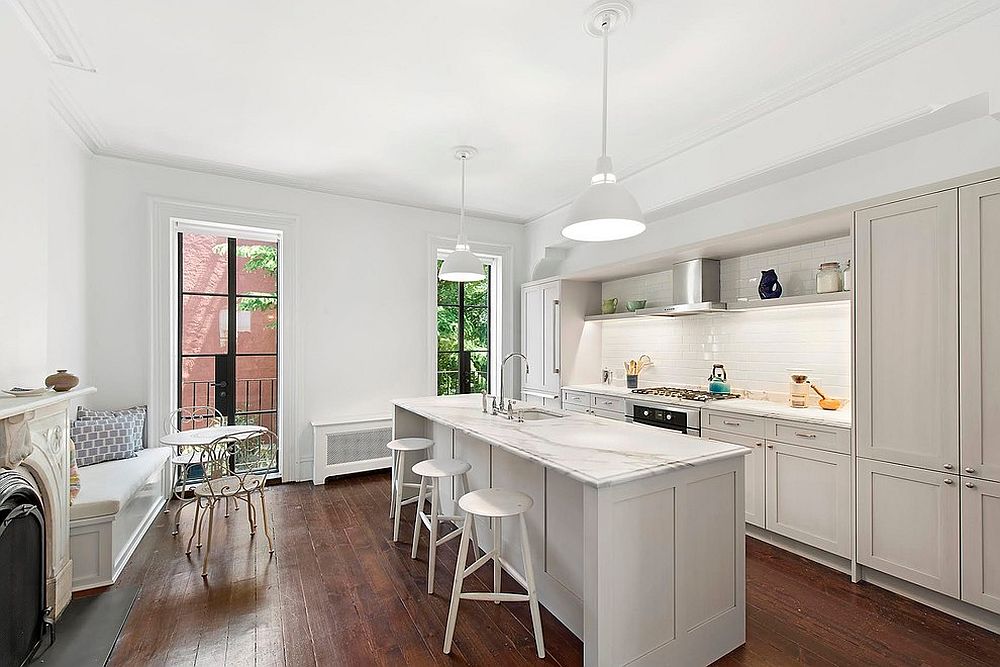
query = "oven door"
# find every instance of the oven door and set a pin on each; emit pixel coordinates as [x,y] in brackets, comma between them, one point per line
[661,417]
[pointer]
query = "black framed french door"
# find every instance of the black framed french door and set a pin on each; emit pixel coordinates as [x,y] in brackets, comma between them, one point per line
[227,326]
[464,339]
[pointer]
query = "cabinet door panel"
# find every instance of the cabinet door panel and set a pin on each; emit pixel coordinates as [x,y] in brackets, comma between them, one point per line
[808,495]
[906,304]
[520,474]
[908,524]
[532,338]
[551,329]
[754,468]
[979,248]
[981,544]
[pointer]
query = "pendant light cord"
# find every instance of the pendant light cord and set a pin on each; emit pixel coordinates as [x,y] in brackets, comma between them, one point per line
[605,26]
[461,215]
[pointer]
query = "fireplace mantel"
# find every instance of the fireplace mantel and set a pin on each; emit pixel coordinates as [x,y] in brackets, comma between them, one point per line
[34,438]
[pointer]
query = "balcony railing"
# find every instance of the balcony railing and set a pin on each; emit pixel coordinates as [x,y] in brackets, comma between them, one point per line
[253,395]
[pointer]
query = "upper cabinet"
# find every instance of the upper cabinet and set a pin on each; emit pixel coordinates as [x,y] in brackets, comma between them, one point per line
[907,348]
[979,249]
[561,348]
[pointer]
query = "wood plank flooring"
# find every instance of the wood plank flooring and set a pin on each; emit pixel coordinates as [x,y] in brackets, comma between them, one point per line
[338,591]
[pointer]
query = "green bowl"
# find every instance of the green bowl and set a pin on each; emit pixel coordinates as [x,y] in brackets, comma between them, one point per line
[633,306]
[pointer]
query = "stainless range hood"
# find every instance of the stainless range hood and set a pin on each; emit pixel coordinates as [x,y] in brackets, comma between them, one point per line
[696,290]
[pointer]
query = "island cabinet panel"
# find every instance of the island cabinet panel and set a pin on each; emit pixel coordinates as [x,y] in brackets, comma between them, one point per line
[564,531]
[477,454]
[520,474]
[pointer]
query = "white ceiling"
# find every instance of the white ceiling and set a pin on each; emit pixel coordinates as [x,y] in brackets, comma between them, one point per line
[367,98]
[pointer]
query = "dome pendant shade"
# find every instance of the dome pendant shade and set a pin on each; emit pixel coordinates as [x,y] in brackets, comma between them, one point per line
[606,211]
[462,266]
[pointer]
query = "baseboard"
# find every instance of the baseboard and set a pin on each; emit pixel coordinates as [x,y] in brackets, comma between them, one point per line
[948,605]
[832,561]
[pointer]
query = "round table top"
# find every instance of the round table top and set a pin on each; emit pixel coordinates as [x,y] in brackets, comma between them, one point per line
[208,435]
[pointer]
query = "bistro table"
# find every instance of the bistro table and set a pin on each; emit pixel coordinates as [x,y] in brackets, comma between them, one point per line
[184,460]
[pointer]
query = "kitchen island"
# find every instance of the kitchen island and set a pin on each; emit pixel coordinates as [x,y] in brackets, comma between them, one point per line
[637,533]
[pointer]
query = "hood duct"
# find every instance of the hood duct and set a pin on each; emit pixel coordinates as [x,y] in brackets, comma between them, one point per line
[697,289]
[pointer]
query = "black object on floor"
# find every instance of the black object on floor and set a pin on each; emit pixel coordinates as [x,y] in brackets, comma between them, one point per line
[88,629]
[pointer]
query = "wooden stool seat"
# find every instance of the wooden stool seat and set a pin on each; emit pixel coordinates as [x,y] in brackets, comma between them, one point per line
[441,468]
[400,447]
[495,504]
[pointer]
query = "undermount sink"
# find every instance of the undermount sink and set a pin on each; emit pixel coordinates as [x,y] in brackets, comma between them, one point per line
[535,414]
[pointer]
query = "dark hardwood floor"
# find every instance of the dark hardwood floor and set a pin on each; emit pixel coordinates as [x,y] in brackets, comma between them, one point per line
[338,591]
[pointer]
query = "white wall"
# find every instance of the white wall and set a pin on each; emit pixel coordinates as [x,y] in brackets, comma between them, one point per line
[861,121]
[362,268]
[42,191]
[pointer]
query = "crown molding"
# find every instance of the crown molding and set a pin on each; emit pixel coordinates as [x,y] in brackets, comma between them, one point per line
[272,178]
[74,117]
[46,20]
[909,35]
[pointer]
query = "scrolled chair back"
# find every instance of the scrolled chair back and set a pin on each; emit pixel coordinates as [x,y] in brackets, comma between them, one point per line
[191,417]
[239,463]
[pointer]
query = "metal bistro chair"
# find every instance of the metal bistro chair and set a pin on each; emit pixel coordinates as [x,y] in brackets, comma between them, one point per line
[235,467]
[184,458]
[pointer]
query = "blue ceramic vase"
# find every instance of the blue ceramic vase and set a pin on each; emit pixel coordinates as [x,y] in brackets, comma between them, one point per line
[769,287]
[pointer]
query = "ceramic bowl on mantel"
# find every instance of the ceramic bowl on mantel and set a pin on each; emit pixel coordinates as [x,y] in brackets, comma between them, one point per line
[635,305]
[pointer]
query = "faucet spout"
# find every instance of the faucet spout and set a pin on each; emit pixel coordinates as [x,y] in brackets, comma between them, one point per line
[503,364]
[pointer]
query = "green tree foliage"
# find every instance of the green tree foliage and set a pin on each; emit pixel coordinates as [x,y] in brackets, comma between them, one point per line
[259,258]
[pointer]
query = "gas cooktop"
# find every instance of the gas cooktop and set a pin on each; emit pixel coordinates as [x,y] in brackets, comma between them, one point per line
[684,394]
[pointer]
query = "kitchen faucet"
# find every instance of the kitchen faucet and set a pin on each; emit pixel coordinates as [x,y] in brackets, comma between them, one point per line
[502,364]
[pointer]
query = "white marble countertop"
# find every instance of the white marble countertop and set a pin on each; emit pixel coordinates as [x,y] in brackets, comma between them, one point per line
[747,406]
[593,450]
[16,405]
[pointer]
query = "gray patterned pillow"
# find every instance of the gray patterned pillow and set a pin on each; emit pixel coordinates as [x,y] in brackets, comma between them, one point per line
[99,440]
[136,415]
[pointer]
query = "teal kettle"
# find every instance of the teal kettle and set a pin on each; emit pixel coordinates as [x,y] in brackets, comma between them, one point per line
[717,383]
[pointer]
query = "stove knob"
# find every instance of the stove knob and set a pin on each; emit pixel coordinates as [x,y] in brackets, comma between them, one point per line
[669,417]
[645,413]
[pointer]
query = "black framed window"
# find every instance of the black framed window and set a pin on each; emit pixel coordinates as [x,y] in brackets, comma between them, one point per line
[463,335]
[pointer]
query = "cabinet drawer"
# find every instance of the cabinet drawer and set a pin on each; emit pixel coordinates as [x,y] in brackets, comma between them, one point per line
[732,423]
[829,438]
[608,414]
[582,409]
[571,398]
[607,403]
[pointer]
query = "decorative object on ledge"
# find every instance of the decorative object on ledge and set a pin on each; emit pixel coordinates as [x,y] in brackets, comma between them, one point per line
[609,306]
[829,279]
[637,304]
[22,392]
[769,287]
[62,380]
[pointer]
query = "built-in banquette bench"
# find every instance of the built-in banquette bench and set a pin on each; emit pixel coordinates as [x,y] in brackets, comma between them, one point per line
[117,502]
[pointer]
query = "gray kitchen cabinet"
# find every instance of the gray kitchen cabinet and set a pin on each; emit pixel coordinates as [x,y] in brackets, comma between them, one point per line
[908,524]
[906,307]
[979,248]
[808,496]
[981,543]
[560,347]
[754,468]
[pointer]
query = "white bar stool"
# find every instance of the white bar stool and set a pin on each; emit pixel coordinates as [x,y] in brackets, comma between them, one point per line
[400,447]
[496,504]
[433,470]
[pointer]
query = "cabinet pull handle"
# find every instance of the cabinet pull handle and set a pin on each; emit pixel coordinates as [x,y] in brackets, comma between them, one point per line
[757,444]
[770,446]
[806,435]
[948,466]
[949,481]
[970,470]
[555,337]
[730,423]
[970,485]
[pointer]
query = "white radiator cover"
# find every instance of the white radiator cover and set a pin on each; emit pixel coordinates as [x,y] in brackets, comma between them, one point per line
[350,445]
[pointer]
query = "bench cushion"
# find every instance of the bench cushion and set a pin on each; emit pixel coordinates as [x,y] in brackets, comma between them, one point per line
[106,487]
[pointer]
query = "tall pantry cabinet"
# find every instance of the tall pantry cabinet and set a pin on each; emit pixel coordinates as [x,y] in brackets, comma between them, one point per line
[561,348]
[927,355]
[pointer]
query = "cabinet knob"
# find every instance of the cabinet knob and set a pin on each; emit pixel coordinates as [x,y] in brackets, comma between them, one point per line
[970,470]
[970,485]
[948,466]
[757,444]
[770,446]
[949,481]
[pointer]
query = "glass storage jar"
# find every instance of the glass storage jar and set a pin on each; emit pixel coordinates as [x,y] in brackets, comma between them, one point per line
[829,278]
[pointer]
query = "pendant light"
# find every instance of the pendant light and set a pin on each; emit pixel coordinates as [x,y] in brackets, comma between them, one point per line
[606,211]
[462,265]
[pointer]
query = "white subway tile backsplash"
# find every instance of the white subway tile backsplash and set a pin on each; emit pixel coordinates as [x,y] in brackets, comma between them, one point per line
[757,347]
